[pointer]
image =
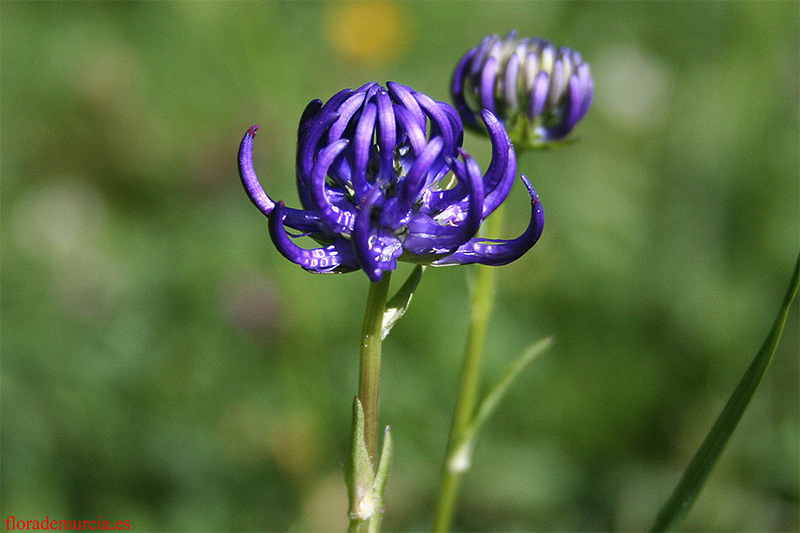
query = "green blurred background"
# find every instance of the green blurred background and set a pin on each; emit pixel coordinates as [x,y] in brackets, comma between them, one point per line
[163,364]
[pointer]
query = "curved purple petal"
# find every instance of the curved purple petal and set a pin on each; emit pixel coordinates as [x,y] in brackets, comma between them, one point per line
[427,237]
[530,69]
[339,219]
[510,77]
[334,258]
[414,133]
[362,145]
[377,250]
[447,230]
[458,85]
[475,194]
[411,186]
[440,123]
[487,84]
[336,100]
[306,150]
[345,111]
[370,89]
[387,134]
[557,82]
[538,95]
[587,88]
[499,176]
[324,113]
[247,174]
[483,49]
[436,201]
[495,252]
[455,122]
[308,223]
[574,103]
[404,95]
[309,114]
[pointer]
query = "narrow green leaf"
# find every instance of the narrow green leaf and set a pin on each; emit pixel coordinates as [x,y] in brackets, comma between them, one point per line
[461,458]
[379,486]
[384,464]
[398,304]
[699,468]
[360,474]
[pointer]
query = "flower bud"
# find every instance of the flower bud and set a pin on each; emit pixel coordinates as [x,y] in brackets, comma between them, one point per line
[539,92]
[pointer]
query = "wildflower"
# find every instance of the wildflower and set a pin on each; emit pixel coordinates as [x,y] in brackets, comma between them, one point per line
[382,178]
[539,92]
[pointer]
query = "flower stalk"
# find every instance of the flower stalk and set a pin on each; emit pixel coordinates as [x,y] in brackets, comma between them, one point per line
[369,377]
[539,93]
[456,463]
[365,486]
[382,177]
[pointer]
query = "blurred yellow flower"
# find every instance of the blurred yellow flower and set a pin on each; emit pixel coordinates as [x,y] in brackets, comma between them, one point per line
[367,31]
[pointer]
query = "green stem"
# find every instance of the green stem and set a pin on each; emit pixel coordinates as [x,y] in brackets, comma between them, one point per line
[369,378]
[699,468]
[483,297]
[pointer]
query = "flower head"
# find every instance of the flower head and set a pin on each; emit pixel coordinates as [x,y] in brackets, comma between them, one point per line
[538,91]
[382,178]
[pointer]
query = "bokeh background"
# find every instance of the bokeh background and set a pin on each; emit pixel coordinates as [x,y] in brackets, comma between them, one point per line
[163,364]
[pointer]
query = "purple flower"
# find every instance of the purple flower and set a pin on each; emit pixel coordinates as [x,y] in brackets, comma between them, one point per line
[382,177]
[539,92]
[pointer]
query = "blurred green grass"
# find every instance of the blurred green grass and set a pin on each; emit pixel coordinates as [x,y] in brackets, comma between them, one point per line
[163,364]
